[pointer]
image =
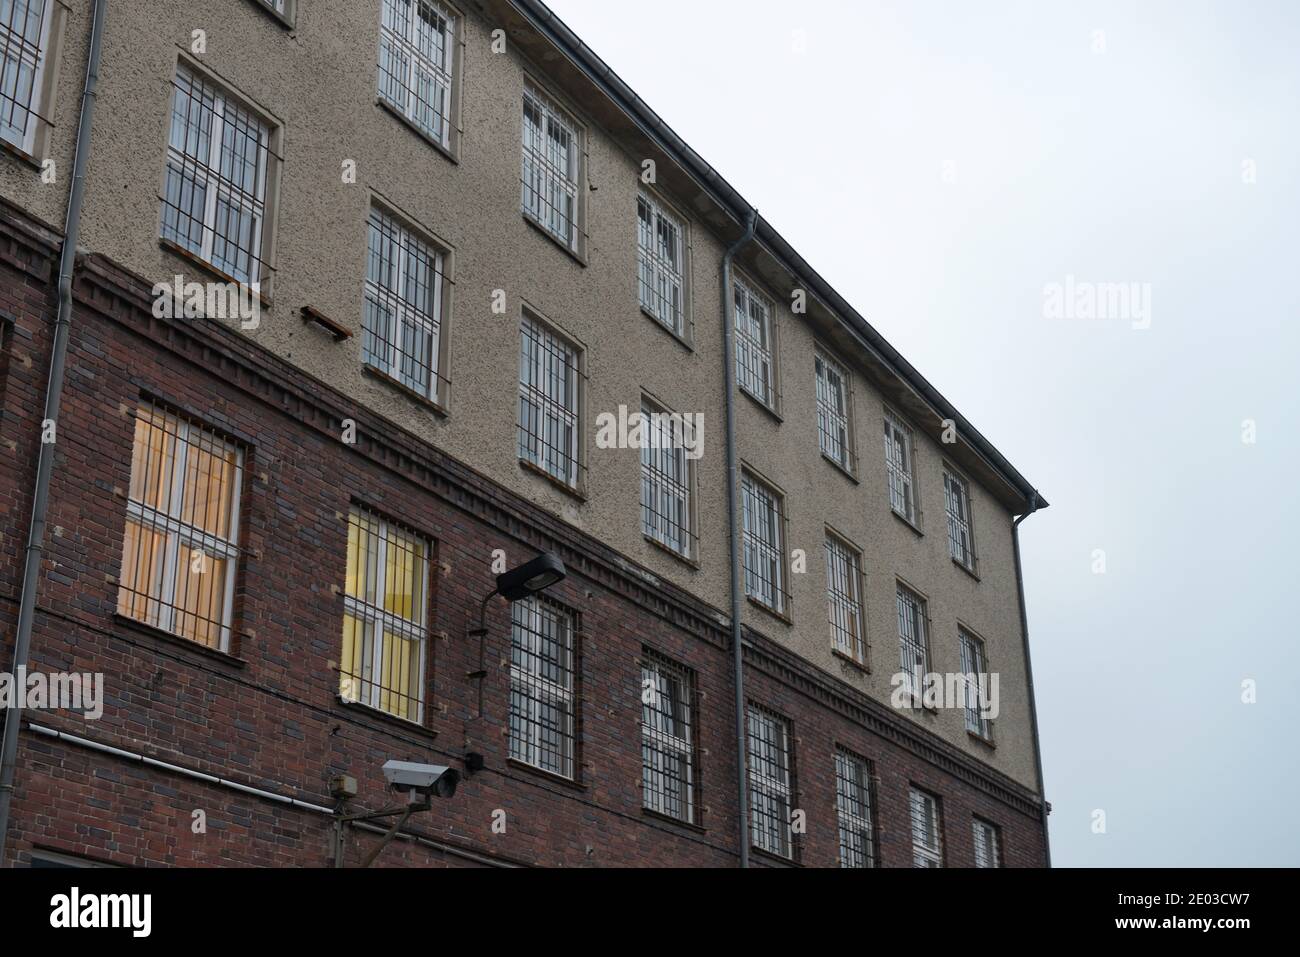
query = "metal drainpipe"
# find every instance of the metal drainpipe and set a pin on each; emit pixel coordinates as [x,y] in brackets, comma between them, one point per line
[733,525]
[53,393]
[1029,673]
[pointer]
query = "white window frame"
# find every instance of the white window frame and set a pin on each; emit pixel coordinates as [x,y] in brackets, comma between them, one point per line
[657,280]
[974,662]
[849,768]
[900,461]
[548,177]
[399,34]
[834,428]
[988,844]
[667,480]
[535,686]
[763,513]
[14,53]
[927,829]
[776,789]
[755,342]
[657,740]
[844,596]
[550,385]
[913,638]
[957,505]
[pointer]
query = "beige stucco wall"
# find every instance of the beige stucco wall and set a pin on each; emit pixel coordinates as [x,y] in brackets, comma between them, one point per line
[318,81]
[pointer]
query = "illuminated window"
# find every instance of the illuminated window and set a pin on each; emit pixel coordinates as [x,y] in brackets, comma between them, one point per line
[416,58]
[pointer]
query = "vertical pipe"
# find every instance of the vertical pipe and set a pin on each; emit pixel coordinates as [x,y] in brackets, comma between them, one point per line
[1029,675]
[53,393]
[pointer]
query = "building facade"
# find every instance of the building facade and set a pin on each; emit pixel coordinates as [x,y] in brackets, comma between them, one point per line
[374,300]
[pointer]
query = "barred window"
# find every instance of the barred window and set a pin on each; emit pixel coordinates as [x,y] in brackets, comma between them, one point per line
[24,48]
[667,478]
[914,644]
[956,494]
[844,591]
[988,845]
[770,785]
[215,197]
[542,700]
[416,58]
[898,459]
[853,801]
[181,545]
[764,544]
[754,351]
[974,668]
[661,263]
[549,395]
[833,432]
[405,296]
[552,162]
[927,835]
[385,615]
[668,773]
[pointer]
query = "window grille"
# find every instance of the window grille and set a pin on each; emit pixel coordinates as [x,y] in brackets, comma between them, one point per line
[218,162]
[770,784]
[854,804]
[754,351]
[660,264]
[385,617]
[181,546]
[833,432]
[956,493]
[667,477]
[24,47]
[927,837]
[668,771]
[405,294]
[549,395]
[416,57]
[988,846]
[898,459]
[764,544]
[843,588]
[552,158]
[542,695]
[974,666]
[914,645]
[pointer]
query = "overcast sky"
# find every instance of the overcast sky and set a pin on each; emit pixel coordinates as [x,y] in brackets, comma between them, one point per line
[943,164]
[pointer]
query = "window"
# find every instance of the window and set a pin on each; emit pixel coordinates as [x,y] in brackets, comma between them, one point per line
[667,479]
[417,41]
[770,786]
[218,163]
[927,836]
[404,301]
[833,432]
[661,268]
[974,668]
[548,404]
[181,546]
[898,459]
[853,801]
[385,610]
[844,591]
[668,776]
[24,48]
[754,350]
[914,643]
[542,703]
[764,545]
[988,846]
[551,169]
[283,9]
[956,496]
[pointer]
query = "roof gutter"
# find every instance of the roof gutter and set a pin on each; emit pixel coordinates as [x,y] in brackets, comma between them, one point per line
[1029,674]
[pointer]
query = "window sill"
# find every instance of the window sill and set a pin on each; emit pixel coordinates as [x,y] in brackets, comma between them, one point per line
[140,627]
[967,569]
[681,338]
[772,858]
[669,819]
[447,151]
[688,561]
[20,154]
[980,739]
[576,493]
[766,407]
[181,252]
[780,616]
[372,712]
[573,254]
[404,389]
[842,469]
[545,775]
[852,662]
[907,521]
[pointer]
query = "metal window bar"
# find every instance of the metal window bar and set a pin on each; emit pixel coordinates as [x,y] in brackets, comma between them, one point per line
[898,459]
[833,433]
[770,784]
[974,666]
[660,264]
[416,54]
[927,837]
[406,291]
[668,758]
[988,849]
[853,801]
[24,40]
[551,167]
[214,198]
[914,655]
[763,544]
[843,588]
[956,495]
[549,396]
[667,476]
[542,697]
[754,370]
[180,549]
[385,603]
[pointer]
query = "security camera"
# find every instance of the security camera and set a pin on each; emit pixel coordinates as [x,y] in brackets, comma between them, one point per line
[429,780]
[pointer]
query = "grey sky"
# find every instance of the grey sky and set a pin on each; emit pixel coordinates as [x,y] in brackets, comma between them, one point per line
[941,163]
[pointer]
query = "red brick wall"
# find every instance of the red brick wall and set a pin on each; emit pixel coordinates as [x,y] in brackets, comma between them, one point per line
[268,715]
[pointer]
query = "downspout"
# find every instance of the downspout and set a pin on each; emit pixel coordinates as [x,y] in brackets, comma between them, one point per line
[1029,674]
[53,393]
[733,527]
